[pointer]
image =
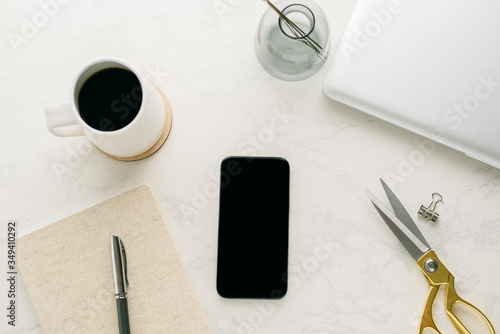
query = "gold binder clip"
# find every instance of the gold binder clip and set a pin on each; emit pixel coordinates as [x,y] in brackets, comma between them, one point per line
[429,213]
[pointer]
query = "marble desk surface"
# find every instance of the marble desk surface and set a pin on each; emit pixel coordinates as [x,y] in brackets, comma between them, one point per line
[348,273]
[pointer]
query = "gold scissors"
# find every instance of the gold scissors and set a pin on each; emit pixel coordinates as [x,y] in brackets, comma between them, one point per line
[433,269]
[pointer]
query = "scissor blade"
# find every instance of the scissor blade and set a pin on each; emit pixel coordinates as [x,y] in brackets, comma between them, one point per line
[409,240]
[402,214]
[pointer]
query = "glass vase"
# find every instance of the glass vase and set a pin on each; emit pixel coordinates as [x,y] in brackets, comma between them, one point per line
[285,53]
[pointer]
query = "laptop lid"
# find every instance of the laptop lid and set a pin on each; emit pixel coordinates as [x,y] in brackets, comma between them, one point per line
[431,67]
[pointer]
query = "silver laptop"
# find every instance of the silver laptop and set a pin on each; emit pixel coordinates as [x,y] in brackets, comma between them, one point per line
[431,67]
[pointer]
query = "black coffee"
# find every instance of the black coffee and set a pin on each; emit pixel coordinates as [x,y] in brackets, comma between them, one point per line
[110,99]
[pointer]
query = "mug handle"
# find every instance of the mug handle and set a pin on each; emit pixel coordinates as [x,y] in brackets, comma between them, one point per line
[61,121]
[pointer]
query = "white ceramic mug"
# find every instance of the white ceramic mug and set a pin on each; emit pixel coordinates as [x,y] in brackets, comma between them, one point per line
[140,138]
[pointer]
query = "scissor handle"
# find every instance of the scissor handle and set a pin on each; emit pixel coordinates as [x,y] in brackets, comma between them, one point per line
[436,274]
[427,320]
[451,299]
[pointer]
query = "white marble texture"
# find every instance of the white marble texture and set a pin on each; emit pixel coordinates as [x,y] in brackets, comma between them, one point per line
[348,273]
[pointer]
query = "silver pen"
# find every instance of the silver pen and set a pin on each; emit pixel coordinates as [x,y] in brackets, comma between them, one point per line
[119,260]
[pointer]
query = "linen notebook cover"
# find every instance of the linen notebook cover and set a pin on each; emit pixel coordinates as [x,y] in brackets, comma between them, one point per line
[68,273]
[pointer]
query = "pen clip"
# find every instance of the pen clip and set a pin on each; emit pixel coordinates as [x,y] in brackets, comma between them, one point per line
[119,262]
[124,261]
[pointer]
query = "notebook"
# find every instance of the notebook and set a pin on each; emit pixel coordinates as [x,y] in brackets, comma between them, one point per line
[67,270]
[431,67]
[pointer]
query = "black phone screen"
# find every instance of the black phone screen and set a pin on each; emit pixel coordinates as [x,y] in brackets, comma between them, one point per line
[252,257]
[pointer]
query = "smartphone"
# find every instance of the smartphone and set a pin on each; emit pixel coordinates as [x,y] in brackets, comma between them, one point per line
[252,256]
